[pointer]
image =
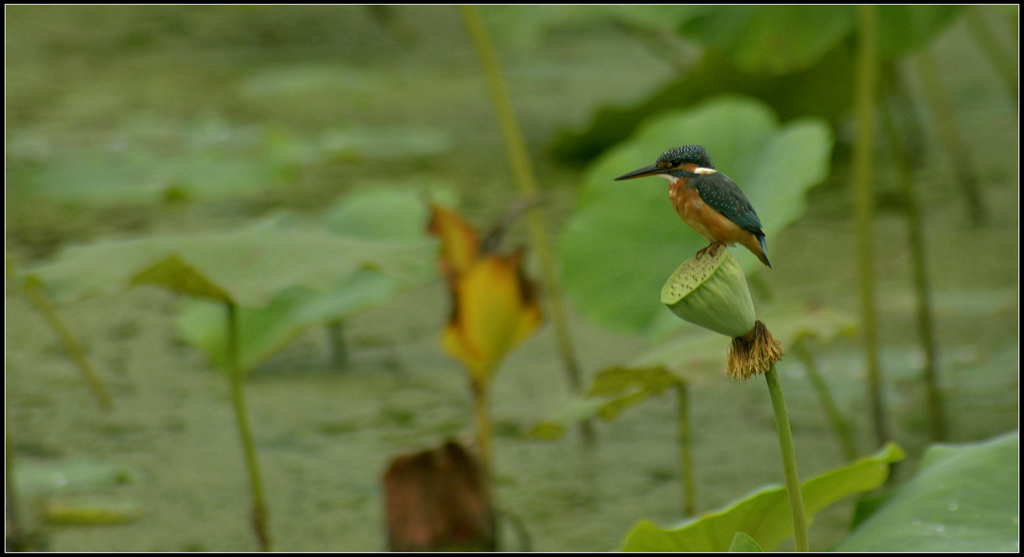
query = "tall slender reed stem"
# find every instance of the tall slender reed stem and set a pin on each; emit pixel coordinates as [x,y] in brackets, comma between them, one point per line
[956,148]
[835,418]
[685,449]
[526,179]
[15,529]
[796,499]
[915,239]
[339,351]
[1002,61]
[482,413]
[259,506]
[863,168]
[37,296]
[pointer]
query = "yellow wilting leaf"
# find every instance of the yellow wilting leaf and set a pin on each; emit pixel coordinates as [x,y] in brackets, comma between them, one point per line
[494,307]
[495,310]
[460,243]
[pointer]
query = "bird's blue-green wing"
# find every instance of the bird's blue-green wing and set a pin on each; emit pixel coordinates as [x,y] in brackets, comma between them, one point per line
[724,196]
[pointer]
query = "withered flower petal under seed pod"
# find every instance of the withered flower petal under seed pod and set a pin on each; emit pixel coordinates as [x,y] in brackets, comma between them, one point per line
[752,353]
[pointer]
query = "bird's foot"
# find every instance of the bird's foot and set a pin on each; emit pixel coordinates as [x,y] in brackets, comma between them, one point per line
[710,247]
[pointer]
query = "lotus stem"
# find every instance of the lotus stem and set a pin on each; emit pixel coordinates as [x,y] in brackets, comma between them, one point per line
[482,413]
[259,506]
[796,499]
[863,165]
[526,179]
[915,237]
[685,449]
[949,134]
[339,351]
[835,418]
[41,302]
[1001,60]
[15,528]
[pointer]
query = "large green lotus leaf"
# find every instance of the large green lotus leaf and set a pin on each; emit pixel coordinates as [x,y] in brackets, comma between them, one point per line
[964,498]
[146,177]
[764,515]
[742,543]
[626,239]
[207,160]
[178,275]
[248,267]
[903,30]
[381,212]
[784,39]
[818,81]
[824,90]
[385,212]
[264,331]
[772,39]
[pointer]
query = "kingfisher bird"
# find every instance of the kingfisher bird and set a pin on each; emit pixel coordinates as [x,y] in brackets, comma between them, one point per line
[707,200]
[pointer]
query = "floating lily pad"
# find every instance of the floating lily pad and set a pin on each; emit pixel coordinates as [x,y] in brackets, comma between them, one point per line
[388,142]
[148,177]
[380,213]
[88,511]
[262,332]
[81,475]
[300,81]
[250,267]
[396,215]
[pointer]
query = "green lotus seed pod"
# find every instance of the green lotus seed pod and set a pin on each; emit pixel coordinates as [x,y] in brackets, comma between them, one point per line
[712,292]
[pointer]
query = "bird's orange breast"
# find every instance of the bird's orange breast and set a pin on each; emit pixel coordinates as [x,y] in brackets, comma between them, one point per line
[706,221]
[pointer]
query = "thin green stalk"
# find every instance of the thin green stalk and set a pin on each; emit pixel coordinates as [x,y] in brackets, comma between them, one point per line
[482,414]
[526,179]
[685,449]
[41,302]
[519,528]
[863,174]
[15,531]
[915,239]
[339,351]
[796,499]
[949,133]
[835,418]
[1001,60]
[259,506]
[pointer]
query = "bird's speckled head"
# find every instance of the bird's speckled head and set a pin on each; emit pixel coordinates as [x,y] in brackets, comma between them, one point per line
[677,156]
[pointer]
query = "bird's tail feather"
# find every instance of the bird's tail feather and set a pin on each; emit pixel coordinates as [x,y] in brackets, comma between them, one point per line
[763,256]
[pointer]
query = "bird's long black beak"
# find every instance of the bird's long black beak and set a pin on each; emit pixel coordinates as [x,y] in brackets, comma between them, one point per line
[641,172]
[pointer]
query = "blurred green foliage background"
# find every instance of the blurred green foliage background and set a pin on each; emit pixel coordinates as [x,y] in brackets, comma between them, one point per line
[136,122]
